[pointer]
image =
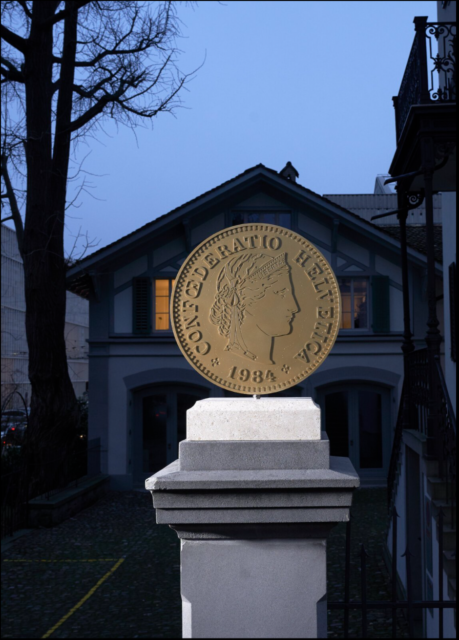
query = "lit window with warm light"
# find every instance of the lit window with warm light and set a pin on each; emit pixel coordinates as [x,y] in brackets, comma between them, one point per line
[162,290]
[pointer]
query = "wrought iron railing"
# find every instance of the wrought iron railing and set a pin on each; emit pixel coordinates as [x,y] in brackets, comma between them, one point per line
[401,600]
[430,73]
[446,441]
[419,392]
[395,455]
[429,411]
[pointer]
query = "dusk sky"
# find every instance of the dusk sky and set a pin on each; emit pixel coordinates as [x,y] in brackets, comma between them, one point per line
[309,82]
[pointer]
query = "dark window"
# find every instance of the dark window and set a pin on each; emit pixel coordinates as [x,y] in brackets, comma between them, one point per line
[370,429]
[281,218]
[356,421]
[154,433]
[354,296]
[337,425]
[162,426]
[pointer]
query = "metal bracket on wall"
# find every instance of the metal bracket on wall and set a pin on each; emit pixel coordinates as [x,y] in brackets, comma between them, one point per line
[413,200]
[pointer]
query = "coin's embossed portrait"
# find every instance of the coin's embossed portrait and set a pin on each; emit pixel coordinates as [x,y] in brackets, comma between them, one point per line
[251,317]
[254,303]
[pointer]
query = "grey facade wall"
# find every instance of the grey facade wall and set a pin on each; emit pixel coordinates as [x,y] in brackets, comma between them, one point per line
[15,359]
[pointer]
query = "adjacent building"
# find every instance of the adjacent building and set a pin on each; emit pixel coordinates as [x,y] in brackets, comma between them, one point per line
[14,360]
[422,472]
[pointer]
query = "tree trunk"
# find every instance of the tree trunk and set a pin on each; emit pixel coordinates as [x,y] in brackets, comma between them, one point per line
[54,411]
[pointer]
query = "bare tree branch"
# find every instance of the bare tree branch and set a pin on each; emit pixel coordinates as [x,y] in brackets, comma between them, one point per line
[88,244]
[25,8]
[15,214]
[11,72]
[62,15]
[91,61]
[19,43]
[91,113]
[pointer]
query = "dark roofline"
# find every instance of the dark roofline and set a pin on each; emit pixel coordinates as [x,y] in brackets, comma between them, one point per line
[162,217]
[81,265]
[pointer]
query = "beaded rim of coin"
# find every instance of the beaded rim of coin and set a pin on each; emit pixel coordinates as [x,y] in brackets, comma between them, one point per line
[176,317]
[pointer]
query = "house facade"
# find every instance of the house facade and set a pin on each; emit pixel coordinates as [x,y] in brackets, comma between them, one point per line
[422,472]
[15,352]
[140,385]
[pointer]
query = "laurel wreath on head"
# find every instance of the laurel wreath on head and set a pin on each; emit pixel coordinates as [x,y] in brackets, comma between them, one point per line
[227,299]
[223,306]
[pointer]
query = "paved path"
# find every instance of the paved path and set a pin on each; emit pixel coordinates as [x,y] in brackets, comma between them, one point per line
[111,572]
[46,574]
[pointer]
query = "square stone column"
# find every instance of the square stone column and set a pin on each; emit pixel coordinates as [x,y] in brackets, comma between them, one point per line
[253,517]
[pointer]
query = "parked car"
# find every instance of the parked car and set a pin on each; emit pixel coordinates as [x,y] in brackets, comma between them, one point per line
[12,415]
[14,436]
[14,424]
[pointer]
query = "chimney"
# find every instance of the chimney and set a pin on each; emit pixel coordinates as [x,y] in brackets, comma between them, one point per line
[289,172]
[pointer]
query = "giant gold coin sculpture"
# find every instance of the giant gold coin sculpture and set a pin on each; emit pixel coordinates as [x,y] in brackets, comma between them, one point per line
[255,308]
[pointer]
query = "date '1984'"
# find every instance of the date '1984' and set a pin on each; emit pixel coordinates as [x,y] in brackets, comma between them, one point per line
[243,375]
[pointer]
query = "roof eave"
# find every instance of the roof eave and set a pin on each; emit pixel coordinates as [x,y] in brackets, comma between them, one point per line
[248,177]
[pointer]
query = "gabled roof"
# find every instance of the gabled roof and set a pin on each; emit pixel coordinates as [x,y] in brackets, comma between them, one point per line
[79,271]
[166,216]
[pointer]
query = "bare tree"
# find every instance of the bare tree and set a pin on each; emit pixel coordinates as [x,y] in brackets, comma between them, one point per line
[65,67]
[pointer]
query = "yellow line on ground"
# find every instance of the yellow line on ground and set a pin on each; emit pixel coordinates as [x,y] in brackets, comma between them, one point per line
[83,560]
[83,600]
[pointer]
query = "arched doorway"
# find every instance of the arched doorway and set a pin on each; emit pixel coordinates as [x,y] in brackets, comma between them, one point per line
[159,425]
[356,418]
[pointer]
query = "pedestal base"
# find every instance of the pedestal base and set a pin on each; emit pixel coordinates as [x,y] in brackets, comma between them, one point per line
[253,544]
[253,508]
[269,588]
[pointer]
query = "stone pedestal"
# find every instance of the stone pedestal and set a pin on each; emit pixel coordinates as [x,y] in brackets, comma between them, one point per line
[253,517]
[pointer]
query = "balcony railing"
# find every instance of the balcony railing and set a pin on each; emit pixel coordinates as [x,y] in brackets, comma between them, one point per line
[430,73]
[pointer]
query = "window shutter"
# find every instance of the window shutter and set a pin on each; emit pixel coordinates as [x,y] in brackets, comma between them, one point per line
[141,306]
[452,308]
[380,304]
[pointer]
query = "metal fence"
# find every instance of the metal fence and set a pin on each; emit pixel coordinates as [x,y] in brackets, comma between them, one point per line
[399,603]
[429,408]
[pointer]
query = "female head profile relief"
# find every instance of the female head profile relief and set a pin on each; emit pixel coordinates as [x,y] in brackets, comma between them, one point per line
[254,304]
